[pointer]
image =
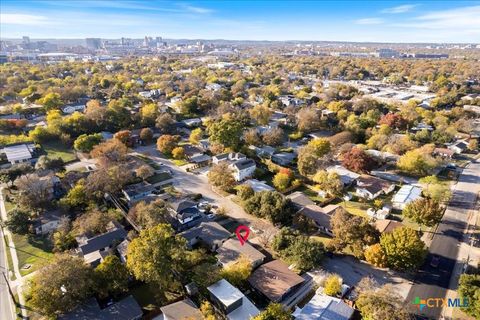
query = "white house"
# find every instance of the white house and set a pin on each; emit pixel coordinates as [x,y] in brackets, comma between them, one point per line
[323,307]
[243,169]
[229,157]
[458,147]
[405,195]
[72,109]
[232,301]
[19,153]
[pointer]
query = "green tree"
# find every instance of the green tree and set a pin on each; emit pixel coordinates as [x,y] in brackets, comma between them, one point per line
[245,191]
[352,233]
[178,153]
[404,249]
[424,211]
[166,143]
[435,189]
[148,114]
[148,215]
[195,136]
[381,304]
[375,255]
[112,276]
[18,221]
[157,255]
[221,176]
[261,114]
[319,146]
[332,286]
[86,142]
[274,311]
[329,182]
[207,310]
[282,180]
[469,288]
[146,135]
[237,272]
[61,286]
[227,132]
[51,101]
[271,205]
[416,162]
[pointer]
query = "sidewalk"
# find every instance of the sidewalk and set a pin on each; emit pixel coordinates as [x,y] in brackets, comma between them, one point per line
[13,254]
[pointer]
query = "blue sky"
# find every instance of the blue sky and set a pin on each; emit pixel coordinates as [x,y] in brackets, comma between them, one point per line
[377,21]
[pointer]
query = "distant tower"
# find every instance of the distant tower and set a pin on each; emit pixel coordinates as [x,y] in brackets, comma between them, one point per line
[26,40]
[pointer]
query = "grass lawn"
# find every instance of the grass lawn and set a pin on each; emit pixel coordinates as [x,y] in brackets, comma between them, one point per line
[355,208]
[310,192]
[8,205]
[34,251]
[159,177]
[179,163]
[144,297]
[321,238]
[407,222]
[57,150]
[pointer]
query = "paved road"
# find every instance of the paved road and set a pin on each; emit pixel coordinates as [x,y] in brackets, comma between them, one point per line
[434,282]
[6,303]
[198,183]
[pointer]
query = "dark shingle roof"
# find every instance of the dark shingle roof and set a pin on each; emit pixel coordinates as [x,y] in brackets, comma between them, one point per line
[126,309]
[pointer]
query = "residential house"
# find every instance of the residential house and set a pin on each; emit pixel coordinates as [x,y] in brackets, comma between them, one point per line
[392,176]
[228,157]
[278,283]
[284,158]
[181,310]
[73,108]
[263,152]
[300,200]
[193,122]
[208,234]
[47,222]
[319,217]
[323,307]
[231,250]
[370,188]
[138,191]
[458,147]
[19,153]
[347,176]
[422,126]
[243,169]
[387,226]
[405,195]
[125,309]
[386,157]
[258,186]
[94,249]
[184,214]
[231,301]
[213,87]
[443,152]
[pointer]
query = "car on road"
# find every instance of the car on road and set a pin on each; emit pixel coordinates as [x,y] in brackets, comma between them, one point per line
[435,261]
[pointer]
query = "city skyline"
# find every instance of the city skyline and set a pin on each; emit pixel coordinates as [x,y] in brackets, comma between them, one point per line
[393,21]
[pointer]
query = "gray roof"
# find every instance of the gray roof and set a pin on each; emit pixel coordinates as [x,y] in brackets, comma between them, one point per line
[19,152]
[181,310]
[299,199]
[316,213]
[138,188]
[180,205]
[323,307]
[126,309]
[243,164]
[88,245]
[231,250]
[208,232]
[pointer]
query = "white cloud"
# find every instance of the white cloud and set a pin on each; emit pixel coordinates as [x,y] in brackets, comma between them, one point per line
[465,18]
[400,9]
[194,9]
[369,21]
[24,19]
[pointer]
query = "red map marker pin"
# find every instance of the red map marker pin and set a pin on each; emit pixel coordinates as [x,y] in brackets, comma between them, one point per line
[242,238]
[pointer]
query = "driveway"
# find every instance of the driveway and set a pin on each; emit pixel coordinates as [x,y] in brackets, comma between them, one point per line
[352,271]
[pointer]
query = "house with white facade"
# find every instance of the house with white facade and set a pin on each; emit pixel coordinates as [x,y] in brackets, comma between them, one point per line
[243,169]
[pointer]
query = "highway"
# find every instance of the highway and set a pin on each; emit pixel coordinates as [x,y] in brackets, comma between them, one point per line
[6,304]
[434,282]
